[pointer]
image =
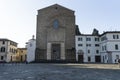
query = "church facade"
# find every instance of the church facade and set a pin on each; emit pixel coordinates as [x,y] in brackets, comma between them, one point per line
[55,35]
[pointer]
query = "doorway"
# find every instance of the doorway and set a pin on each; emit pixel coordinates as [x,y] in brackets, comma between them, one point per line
[97,59]
[109,57]
[80,58]
[55,52]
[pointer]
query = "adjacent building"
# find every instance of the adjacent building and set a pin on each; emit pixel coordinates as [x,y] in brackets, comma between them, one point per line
[31,46]
[88,47]
[21,55]
[95,47]
[8,48]
[110,46]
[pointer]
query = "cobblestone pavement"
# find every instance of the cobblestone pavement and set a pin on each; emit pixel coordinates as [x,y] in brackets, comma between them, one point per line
[59,72]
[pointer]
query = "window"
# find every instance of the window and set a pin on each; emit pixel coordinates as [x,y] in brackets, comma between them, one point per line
[103,38]
[80,44]
[56,7]
[55,24]
[2,49]
[115,36]
[79,39]
[21,51]
[105,56]
[2,57]
[30,45]
[96,39]
[88,45]
[117,56]
[15,50]
[97,51]
[116,47]
[105,47]
[102,48]
[3,42]
[13,43]
[96,45]
[88,51]
[88,39]
[12,50]
[89,59]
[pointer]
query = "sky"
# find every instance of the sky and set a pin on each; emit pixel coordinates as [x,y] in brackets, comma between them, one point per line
[18,17]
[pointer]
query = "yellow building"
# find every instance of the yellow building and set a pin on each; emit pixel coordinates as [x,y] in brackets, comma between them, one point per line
[21,54]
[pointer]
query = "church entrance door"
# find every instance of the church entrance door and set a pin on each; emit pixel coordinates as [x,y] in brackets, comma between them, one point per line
[55,52]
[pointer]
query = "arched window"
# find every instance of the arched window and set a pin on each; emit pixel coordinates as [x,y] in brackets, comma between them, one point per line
[12,50]
[30,45]
[55,24]
[80,52]
[2,49]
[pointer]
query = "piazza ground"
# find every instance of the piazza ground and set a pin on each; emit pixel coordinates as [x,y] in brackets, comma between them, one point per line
[59,71]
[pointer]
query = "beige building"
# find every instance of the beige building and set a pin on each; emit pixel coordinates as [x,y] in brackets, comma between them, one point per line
[7,49]
[55,37]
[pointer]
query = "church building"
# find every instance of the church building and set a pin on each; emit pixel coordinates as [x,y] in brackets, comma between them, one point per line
[55,35]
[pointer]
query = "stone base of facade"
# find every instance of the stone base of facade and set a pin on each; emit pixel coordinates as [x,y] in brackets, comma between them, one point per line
[41,56]
[55,61]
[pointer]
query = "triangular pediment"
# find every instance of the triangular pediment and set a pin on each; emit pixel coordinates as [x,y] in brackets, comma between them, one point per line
[56,6]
